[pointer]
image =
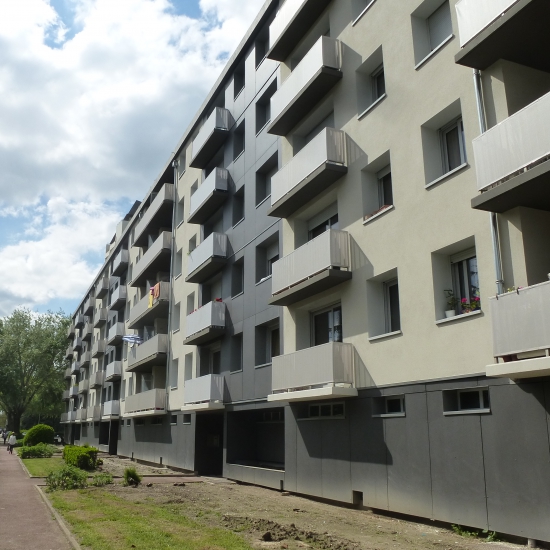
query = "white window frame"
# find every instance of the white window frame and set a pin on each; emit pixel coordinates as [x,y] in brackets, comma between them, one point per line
[401,399]
[381,195]
[457,123]
[480,391]
[387,304]
[325,310]
[374,77]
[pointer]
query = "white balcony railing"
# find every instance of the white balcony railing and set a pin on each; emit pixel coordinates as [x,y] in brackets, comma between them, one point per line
[98,348]
[154,346]
[100,317]
[328,146]
[325,365]
[219,119]
[146,402]
[211,314]
[215,245]
[96,379]
[111,408]
[73,391]
[284,16]
[120,262]
[330,249]
[93,413]
[203,389]
[81,415]
[83,386]
[513,144]
[68,416]
[216,181]
[85,359]
[474,15]
[326,52]
[113,370]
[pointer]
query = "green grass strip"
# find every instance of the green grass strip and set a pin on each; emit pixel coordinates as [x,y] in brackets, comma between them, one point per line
[41,467]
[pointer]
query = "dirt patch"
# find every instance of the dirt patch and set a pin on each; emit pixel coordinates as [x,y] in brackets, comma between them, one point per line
[116,466]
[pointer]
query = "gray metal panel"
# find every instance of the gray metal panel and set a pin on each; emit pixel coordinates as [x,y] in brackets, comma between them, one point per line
[291,450]
[458,481]
[409,486]
[515,443]
[309,455]
[262,382]
[336,480]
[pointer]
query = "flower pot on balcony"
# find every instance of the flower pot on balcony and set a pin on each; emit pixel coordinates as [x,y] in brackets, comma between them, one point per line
[450,313]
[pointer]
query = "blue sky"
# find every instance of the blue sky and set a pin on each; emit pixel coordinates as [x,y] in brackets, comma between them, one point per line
[94,94]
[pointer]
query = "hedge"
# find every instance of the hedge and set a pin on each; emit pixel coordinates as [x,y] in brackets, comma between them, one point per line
[41,433]
[80,457]
[42,450]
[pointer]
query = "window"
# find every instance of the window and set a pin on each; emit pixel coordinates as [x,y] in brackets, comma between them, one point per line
[173,374]
[179,212]
[238,206]
[237,278]
[210,359]
[391,303]
[439,25]
[327,410]
[238,81]
[139,422]
[178,263]
[263,107]
[238,141]
[390,405]
[385,193]
[359,7]
[268,343]
[431,29]
[188,368]
[261,46]
[378,83]
[327,326]
[173,420]
[263,179]
[330,223]
[192,244]
[266,255]
[465,279]
[176,314]
[237,353]
[157,420]
[467,400]
[129,422]
[395,404]
[452,145]
[181,164]
[371,82]
[190,303]
[186,419]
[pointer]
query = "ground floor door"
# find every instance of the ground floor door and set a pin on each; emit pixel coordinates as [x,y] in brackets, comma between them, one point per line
[209,444]
[113,437]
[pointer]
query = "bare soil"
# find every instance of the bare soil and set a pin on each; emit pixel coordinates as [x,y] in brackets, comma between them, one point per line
[116,466]
[274,520]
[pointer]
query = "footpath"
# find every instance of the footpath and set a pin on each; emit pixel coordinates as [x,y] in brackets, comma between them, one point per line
[25,521]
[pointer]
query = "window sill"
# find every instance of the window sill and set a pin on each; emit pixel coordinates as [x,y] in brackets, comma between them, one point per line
[237,295]
[172,388]
[458,317]
[446,175]
[263,280]
[378,214]
[262,128]
[177,276]
[181,175]
[180,224]
[236,371]
[389,415]
[263,200]
[471,411]
[262,366]
[365,10]
[238,94]
[433,52]
[175,330]
[238,156]
[371,106]
[239,222]
[385,335]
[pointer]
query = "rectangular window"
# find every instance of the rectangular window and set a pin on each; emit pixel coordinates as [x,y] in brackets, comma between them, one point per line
[330,223]
[390,405]
[237,278]
[378,83]
[157,420]
[174,370]
[179,212]
[439,25]
[467,400]
[129,422]
[190,306]
[237,353]
[173,420]
[176,314]
[430,28]
[385,192]
[139,422]
[178,263]
[391,303]
[327,326]
[238,206]
[186,419]
[465,281]
[188,369]
[238,140]
[452,145]
[263,179]
[263,107]
[327,410]
[238,81]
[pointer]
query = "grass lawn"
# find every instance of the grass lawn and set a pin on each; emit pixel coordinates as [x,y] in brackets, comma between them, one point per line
[103,521]
[41,467]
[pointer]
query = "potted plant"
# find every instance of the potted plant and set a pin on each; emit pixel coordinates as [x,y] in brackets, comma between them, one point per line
[452,302]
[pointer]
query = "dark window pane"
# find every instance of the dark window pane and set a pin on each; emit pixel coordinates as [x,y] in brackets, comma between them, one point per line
[387,194]
[326,410]
[393,405]
[275,343]
[379,85]
[452,142]
[469,400]
[338,409]
[321,328]
[395,319]
[486,403]
[314,410]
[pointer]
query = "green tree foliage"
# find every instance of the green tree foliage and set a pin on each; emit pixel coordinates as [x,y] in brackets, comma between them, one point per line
[32,350]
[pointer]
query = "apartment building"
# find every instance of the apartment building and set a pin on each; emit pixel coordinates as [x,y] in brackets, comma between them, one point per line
[336,285]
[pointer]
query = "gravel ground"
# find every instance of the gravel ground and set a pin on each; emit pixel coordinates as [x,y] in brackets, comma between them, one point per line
[116,467]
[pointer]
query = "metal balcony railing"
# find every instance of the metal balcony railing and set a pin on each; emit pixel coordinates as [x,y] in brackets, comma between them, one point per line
[113,371]
[93,413]
[111,408]
[98,348]
[204,389]
[120,262]
[96,379]
[148,402]
[116,332]
[208,197]
[100,317]
[83,386]
[213,247]
[148,352]
[157,215]
[210,137]
[148,264]
[209,315]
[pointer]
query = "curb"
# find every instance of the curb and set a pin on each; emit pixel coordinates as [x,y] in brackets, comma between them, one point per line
[24,467]
[60,521]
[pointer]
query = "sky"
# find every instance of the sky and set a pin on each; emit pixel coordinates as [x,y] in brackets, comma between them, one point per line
[94,97]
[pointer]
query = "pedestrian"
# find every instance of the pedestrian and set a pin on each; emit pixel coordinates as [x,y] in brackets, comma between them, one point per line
[4,436]
[11,442]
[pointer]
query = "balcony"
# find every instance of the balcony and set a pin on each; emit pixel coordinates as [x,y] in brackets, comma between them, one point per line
[87,331]
[204,393]
[318,265]
[99,348]
[77,344]
[316,74]
[115,334]
[102,287]
[290,25]
[113,371]
[207,259]
[513,161]
[79,321]
[75,365]
[96,379]
[521,321]
[85,359]
[70,331]
[157,258]
[73,391]
[93,414]
[211,137]
[118,297]
[100,317]
[111,409]
[67,417]
[149,354]
[142,315]
[158,215]
[120,262]
[81,415]
[69,352]
[314,168]
[320,372]
[83,386]
[489,31]
[205,324]
[146,403]
[68,372]
[209,196]
[65,396]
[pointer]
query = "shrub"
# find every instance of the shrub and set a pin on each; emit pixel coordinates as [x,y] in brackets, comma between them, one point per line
[80,457]
[131,477]
[36,451]
[41,433]
[67,477]
[99,480]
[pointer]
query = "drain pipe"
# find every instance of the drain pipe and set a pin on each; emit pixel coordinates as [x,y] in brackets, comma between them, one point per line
[493,215]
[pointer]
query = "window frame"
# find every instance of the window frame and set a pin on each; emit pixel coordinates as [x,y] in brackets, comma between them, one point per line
[388,305]
[457,123]
[376,94]
[332,308]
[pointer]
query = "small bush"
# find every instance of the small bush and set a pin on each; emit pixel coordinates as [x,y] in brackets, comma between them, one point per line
[41,433]
[66,478]
[80,457]
[131,477]
[36,451]
[99,480]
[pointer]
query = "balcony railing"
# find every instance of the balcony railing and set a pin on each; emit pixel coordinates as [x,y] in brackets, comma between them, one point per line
[70,331]
[319,371]
[159,214]
[120,262]
[93,413]
[96,379]
[65,396]
[100,317]
[83,386]
[291,23]
[79,321]
[317,166]
[75,365]
[69,352]
[207,258]
[68,417]
[99,348]
[111,408]
[113,371]
[513,145]
[89,305]
[141,314]
[157,258]
[68,372]
[209,196]
[81,415]
[146,403]
[118,297]
[87,331]
[102,287]
[310,81]
[475,15]
[210,137]
[85,359]
[320,264]
[77,344]
[207,390]
[116,332]
[206,323]
[150,353]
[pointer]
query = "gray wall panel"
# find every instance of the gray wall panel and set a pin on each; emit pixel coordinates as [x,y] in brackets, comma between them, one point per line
[309,455]
[291,451]
[336,471]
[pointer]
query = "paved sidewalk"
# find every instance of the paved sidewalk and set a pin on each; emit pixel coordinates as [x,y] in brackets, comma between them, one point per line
[25,521]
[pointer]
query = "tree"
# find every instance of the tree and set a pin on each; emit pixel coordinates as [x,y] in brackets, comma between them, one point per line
[32,350]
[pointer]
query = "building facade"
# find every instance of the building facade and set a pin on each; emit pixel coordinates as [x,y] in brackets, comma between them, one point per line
[336,286]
